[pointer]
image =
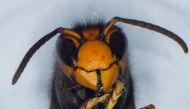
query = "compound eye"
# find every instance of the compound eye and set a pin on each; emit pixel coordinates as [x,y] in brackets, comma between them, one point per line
[67,50]
[117,42]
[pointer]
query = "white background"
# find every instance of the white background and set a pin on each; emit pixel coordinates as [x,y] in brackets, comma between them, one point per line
[160,69]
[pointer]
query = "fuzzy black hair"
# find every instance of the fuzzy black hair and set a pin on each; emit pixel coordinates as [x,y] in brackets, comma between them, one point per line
[79,25]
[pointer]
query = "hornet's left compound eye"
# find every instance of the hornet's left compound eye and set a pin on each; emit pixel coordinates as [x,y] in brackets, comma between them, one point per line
[118,43]
[66,50]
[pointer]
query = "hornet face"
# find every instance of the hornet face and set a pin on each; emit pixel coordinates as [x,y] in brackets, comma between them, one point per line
[92,59]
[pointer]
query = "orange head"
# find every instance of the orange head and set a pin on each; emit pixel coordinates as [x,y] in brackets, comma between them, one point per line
[94,59]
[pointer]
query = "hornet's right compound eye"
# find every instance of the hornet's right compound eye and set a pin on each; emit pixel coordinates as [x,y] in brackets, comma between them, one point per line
[67,50]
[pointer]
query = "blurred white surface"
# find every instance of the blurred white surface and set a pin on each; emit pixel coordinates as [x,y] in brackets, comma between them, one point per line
[160,69]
